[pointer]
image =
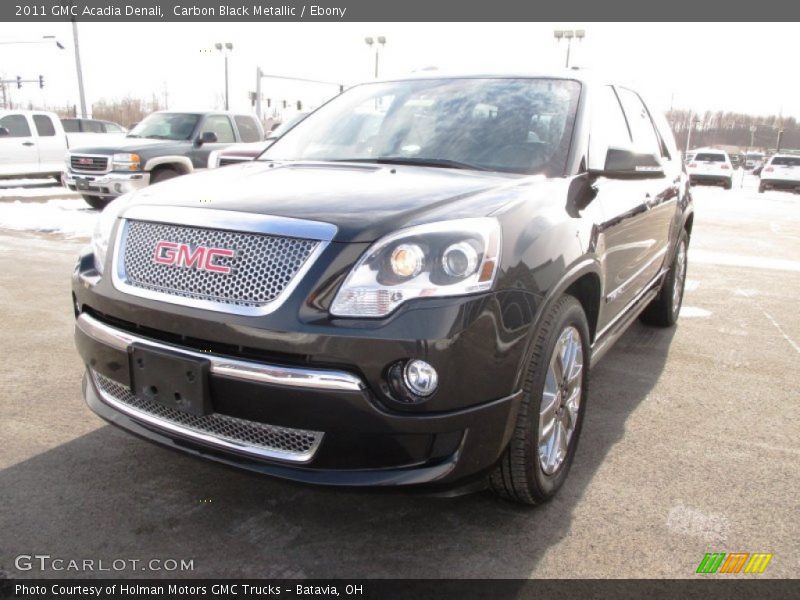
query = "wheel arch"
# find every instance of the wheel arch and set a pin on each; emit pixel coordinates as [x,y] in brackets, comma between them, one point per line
[181,164]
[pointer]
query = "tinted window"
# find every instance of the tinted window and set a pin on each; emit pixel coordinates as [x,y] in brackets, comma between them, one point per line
[709,157]
[17,126]
[644,134]
[44,125]
[71,125]
[221,125]
[786,161]
[92,126]
[609,129]
[513,125]
[248,128]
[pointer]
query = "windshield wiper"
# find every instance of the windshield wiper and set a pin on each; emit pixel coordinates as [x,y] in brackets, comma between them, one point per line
[419,162]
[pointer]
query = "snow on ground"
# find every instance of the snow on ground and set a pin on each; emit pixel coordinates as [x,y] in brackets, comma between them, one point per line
[19,189]
[72,218]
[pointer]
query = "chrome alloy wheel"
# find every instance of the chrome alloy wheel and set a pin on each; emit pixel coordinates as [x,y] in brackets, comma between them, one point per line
[561,399]
[680,277]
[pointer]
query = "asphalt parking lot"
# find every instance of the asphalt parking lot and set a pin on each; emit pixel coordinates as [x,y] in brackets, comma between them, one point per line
[691,445]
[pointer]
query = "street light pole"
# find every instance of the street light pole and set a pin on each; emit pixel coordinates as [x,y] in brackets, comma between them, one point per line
[225,49]
[569,34]
[381,42]
[78,68]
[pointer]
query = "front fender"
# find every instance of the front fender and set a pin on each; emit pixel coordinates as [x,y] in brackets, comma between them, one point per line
[183,164]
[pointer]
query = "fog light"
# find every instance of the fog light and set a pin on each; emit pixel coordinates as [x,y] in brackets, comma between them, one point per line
[420,377]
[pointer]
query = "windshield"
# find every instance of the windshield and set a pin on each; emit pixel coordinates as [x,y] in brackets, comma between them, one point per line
[509,125]
[166,126]
[286,126]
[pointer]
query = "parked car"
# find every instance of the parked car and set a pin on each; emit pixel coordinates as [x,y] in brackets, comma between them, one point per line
[412,304]
[33,143]
[737,160]
[782,172]
[162,146]
[753,160]
[711,166]
[77,125]
[238,153]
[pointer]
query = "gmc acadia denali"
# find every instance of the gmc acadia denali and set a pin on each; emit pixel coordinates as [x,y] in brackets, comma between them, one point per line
[407,289]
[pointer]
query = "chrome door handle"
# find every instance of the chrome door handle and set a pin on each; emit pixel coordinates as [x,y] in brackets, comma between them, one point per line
[27,143]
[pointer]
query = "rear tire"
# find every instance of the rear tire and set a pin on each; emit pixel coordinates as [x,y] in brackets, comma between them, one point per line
[761,188]
[664,310]
[97,202]
[163,174]
[538,458]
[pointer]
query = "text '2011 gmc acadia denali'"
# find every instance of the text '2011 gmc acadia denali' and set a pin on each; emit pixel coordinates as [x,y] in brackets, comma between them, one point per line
[407,289]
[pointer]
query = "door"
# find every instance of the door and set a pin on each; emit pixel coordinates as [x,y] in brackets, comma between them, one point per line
[632,238]
[219,125]
[52,146]
[18,153]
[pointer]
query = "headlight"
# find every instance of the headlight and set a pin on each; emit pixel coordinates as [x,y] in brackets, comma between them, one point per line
[448,258]
[103,228]
[126,162]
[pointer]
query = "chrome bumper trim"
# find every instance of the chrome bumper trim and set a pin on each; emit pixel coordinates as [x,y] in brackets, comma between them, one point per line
[316,379]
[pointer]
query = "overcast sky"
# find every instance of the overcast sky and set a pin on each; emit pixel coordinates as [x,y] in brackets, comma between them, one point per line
[737,67]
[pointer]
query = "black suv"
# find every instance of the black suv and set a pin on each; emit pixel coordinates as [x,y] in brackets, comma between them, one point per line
[164,145]
[407,289]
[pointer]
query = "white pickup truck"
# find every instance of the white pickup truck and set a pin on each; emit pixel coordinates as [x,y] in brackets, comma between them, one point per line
[33,143]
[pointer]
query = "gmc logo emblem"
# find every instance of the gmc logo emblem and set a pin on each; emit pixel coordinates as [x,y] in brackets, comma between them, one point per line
[85,161]
[201,257]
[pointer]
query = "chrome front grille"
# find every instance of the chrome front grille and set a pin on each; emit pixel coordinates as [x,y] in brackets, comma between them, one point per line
[262,267]
[248,437]
[89,163]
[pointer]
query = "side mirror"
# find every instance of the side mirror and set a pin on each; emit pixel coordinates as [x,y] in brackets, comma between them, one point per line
[207,137]
[4,132]
[622,163]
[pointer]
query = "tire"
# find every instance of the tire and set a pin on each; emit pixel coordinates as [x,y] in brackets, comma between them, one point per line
[163,174]
[527,473]
[728,184]
[761,188]
[664,310]
[97,202]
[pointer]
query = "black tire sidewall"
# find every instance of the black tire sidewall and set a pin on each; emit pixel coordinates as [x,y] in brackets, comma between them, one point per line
[163,175]
[671,278]
[548,485]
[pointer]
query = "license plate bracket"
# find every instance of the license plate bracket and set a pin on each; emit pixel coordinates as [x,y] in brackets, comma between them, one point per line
[170,379]
[82,184]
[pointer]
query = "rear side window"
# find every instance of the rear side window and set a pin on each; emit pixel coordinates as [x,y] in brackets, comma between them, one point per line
[709,157]
[786,161]
[93,126]
[17,126]
[44,125]
[643,132]
[113,128]
[248,128]
[609,129]
[221,125]
[71,125]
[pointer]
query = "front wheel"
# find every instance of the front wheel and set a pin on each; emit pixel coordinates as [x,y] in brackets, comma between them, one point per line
[97,202]
[761,188]
[664,310]
[728,184]
[536,462]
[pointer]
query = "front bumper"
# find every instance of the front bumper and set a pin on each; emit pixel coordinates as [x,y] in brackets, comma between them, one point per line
[363,443]
[107,184]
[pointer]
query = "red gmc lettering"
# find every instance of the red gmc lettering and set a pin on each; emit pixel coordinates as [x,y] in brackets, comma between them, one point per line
[182,255]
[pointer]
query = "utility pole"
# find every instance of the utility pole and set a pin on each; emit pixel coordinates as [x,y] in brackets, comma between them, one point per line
[258,93]
[78,68]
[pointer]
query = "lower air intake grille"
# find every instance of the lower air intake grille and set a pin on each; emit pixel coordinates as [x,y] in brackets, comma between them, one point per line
[250,437]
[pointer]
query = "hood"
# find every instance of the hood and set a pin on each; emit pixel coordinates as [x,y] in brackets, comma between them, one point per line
[137,145]
[364,201]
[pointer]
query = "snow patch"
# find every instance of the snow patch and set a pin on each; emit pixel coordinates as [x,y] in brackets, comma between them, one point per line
[685,520]
[72,218]
[694,312]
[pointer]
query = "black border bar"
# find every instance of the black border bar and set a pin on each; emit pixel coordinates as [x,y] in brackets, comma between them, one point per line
[397,10]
